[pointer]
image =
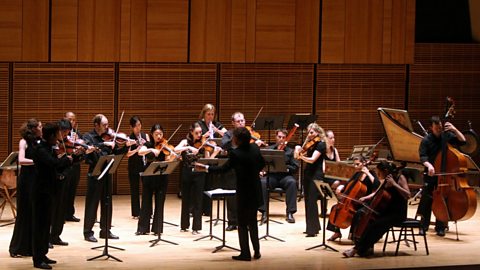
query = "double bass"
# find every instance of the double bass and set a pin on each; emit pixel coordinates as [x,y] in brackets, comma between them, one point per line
[453,198]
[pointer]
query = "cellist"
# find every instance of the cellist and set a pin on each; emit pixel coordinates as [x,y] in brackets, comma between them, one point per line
[392,209]
[364,177]
[430,147]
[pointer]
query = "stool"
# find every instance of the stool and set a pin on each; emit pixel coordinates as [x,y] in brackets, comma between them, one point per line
[406,229]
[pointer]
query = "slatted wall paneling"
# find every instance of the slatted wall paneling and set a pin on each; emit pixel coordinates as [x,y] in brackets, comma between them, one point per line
[281,89]
[47,91]
[348,97]
[442,70]
[169,94]
[4,117]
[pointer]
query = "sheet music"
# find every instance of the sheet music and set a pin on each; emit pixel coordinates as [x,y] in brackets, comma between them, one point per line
[220,191]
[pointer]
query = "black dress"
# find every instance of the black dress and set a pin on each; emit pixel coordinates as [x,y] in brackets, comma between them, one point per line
[21,243]
[155,185]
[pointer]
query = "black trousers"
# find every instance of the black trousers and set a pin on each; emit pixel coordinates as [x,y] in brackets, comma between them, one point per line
[312,195]
[95,195]
[58,207]
[375,230]
[134,180]
[425,205]
[247,224]
[193,184]
[41,221]
[285,182]
[152,186]
[71,190]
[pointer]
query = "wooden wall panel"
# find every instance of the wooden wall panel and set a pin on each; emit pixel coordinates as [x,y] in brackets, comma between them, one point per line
[4,115]
[167,30]
[47,91]
[307,20]
[442,70]
[64,30]
[281,89]
[35,37]
[371,31]
[24,30]
[169,94]
[348,97]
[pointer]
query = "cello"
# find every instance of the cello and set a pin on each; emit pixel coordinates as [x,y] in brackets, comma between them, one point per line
[453,198]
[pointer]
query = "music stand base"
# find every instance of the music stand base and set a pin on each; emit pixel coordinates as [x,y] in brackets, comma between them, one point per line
[117,248]
[7,224]
[155,241]
[105,254]
[211,237]
[322,245]
[273,237]
[171,224]
[224,246]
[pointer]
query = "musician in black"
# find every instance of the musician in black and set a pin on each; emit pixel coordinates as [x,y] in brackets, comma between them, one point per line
[46,164]
[95,187]
[391,210]
[154,185]
[283,180]
[430,147]
[313,154]
[136,164]
[72,183]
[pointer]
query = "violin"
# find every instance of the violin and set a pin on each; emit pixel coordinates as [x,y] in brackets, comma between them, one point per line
[255,135]
[307,146]
[205,144]
[120,138]
[166,149]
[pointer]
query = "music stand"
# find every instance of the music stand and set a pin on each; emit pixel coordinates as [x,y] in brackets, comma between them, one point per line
[106,165]
[274,162]
[212,162]
[9,164]
[302,120]
[160,168]
[327,193]
[269,123]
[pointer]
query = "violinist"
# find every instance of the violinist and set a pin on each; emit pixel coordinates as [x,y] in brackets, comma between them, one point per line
[210,129]
[47,164]
[430,147]
[152,185]
[363,175]
[72,184]
[284,180]
[136,164]
[95,186]
[21,242]
[193,183]
[312,153]
[392,210]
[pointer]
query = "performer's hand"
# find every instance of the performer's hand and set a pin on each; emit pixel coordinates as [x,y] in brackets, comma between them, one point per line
[389,181]
[109,144]
[431,170]
[90,149]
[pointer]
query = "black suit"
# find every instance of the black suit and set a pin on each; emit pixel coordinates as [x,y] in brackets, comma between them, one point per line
[247,162]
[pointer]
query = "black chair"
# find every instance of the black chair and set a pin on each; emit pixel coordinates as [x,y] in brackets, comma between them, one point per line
[410,227]
[278,191]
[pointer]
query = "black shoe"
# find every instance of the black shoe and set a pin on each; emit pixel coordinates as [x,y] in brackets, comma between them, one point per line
[50,246]
[241,258]
[49,261]
[311,235]
[141,233]
[231,228]
[263,220]
[290,218]
[73,219]
[91,238]
[42,265]
[110,235]
[59,242]
[257,255]
[441,232]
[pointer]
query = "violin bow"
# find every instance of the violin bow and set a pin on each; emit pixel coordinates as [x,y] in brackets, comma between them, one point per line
[118,127]
[255,119]
[171,136]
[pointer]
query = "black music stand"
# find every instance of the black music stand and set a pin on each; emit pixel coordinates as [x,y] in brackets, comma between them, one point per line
[327,193]
[274,162]
[160,168]
[106,165]
[303,120]
[269,123]
[221,194]
[10,163]
[212,162]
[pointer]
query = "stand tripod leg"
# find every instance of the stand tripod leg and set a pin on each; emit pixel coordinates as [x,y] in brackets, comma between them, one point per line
[210,232]
[155,241]
[223,240]
[267,210]
[323,244]
[105,254]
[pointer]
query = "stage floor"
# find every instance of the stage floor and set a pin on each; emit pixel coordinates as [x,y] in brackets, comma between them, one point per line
[190,254]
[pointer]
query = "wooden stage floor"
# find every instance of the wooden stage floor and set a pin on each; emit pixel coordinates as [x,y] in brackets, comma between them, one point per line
[291,254]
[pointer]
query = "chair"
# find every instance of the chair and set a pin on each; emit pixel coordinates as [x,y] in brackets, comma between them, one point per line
[406,229]
[278,191]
